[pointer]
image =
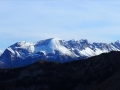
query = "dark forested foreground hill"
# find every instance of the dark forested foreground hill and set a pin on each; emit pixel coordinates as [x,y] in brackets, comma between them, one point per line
[96,73]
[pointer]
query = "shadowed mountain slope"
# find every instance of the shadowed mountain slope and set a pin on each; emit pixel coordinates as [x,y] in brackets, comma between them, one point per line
[75,75]
[111,83]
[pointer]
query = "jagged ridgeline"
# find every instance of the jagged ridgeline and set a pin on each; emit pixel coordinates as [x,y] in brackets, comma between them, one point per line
[96,73]
[54,49]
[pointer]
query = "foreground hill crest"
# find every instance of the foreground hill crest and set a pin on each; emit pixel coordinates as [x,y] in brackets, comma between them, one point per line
[53,49]
[100,72]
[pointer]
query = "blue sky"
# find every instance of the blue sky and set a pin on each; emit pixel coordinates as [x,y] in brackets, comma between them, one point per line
[95,20]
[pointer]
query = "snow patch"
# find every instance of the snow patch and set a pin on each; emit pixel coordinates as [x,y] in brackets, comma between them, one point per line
[1,52]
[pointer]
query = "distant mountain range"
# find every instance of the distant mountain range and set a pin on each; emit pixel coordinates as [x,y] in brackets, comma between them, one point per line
[53,49]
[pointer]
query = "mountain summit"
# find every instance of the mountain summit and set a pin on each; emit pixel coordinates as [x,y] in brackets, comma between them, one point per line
[53,49]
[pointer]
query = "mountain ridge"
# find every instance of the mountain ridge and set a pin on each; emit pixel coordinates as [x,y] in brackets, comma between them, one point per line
[53,49]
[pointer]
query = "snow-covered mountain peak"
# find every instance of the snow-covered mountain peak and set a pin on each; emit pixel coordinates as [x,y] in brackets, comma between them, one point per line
[54,43]
[74,40]
[28,46]
[51,46]
[55,38]
[24,43]
[84,40]
[117,41]
[56,49]
[46,41]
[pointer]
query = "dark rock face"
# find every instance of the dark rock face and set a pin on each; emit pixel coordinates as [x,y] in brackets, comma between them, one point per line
[87,74]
